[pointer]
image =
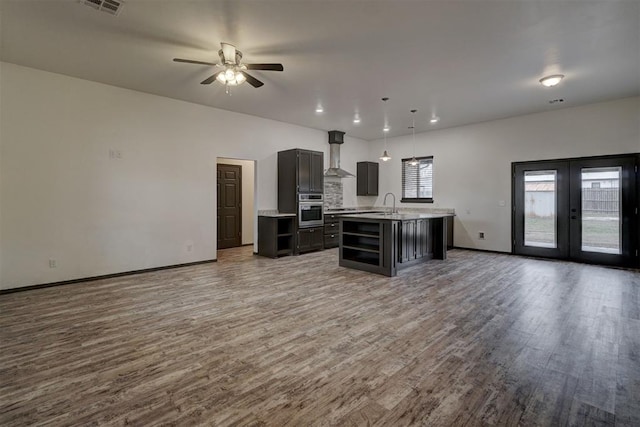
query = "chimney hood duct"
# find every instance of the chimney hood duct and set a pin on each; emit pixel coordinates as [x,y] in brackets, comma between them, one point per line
[336,138]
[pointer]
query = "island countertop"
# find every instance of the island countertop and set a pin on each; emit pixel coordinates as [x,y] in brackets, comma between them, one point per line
[398,216]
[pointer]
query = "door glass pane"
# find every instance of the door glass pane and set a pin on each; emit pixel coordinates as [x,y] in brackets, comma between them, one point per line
[540,211]
[601,200]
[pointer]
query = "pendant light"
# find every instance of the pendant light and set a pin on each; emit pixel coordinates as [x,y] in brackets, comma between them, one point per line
[414,161]
[385,156]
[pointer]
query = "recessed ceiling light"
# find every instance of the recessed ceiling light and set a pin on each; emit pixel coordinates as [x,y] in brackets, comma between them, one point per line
[356,119]
[319,109]
[386,129]
[434,120]
[551,81]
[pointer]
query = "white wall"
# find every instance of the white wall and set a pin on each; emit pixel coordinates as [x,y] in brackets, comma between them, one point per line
[248,209]
[472,164]
[63,197]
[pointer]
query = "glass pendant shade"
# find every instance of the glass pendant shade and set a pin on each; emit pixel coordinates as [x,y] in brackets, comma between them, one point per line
[385,156]
[413,161]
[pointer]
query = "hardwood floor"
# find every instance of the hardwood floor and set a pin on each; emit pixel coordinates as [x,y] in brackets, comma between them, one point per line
[478,339]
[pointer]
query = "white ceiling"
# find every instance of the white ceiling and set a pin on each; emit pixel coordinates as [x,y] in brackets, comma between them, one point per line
[465,61]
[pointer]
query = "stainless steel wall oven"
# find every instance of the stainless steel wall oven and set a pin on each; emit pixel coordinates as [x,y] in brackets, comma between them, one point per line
[310,208]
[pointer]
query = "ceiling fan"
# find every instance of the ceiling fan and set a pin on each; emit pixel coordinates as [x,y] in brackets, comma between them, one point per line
[232,71]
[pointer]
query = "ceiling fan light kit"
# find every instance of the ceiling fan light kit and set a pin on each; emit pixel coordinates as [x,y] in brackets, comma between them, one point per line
[233,72]
[233,75]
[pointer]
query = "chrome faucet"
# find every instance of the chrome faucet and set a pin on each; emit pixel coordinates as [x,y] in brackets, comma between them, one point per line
[384,202]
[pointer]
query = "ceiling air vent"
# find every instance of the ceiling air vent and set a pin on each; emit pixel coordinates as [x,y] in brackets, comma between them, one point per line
[112,7]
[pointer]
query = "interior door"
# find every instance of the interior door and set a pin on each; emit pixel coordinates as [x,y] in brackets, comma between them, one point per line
[579,209]
[229,186]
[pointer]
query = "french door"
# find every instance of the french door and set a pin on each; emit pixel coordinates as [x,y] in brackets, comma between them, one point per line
[579,209]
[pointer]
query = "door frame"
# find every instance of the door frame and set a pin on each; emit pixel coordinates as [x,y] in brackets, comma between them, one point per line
[239,237]
[628,200]
[632,245]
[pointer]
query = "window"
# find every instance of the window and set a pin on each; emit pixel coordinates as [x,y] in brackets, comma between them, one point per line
[417,181]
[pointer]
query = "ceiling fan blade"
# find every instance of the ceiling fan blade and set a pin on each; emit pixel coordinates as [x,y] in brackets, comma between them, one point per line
[229,53]
[252,80]
[190,61]
[268,67]
[210,79]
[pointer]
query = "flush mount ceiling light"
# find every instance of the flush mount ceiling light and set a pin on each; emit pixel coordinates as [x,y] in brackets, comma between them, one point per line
[356,119]
[319,109]
[434,120]
[551,81]
[385,156]
[413,161]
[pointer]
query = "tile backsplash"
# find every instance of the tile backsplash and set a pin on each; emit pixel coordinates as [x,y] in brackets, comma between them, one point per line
[332,193]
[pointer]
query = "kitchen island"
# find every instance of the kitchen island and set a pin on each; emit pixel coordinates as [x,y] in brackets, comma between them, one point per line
[385,243]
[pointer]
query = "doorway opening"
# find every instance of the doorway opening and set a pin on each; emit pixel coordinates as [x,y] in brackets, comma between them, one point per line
[582,209]
[235,207]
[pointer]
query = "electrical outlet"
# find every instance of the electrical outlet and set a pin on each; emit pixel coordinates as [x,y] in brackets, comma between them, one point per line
[481,235]
[53,263]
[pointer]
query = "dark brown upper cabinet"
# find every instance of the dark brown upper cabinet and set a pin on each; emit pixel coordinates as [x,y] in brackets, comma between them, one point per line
[367,173]
[299,172]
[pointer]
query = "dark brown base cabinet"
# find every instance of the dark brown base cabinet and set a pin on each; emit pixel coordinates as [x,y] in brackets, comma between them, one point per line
[415,241]
[275,236]
[310,239]
[385,246]
[331,231]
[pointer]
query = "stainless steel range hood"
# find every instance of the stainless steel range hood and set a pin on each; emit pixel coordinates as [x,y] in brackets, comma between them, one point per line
[336,138]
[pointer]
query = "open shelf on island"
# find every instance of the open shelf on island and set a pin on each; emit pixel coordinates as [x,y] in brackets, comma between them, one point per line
[370,229]
[358,255]
[360,242]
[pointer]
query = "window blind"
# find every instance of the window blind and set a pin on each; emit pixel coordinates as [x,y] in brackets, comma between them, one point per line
[417,181]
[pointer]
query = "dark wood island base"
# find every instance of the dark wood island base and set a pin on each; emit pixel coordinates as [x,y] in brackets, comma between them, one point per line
[385,243]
